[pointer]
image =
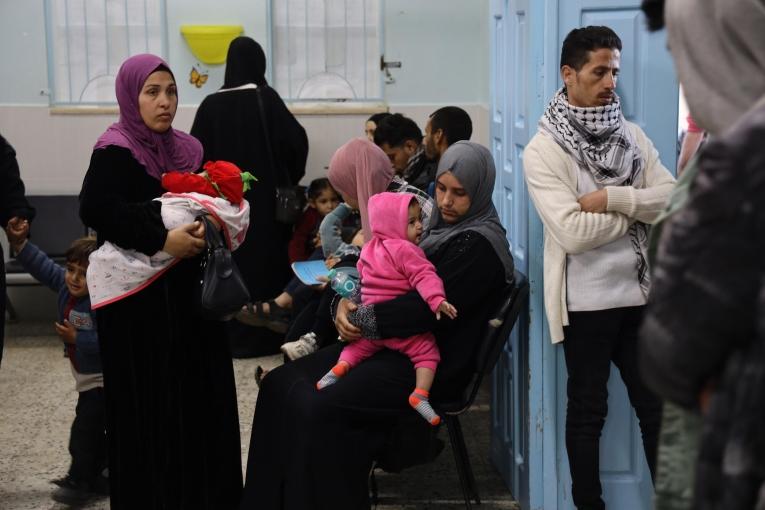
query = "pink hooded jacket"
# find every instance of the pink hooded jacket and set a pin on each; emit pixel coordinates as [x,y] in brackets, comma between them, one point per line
[390,265]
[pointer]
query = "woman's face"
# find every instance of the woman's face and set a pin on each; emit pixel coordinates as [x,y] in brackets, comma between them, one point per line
[158,101]
[452,199]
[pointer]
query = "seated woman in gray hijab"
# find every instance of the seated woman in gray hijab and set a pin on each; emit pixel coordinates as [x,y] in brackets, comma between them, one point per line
[314,449]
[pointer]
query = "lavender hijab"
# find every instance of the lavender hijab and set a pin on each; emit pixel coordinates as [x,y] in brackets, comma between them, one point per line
[157,152]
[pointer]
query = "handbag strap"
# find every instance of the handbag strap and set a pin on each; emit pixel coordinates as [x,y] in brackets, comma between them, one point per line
[213,237]
[269,149]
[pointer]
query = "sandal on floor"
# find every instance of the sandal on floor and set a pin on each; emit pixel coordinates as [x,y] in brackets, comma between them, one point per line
[278,318]
[252,314]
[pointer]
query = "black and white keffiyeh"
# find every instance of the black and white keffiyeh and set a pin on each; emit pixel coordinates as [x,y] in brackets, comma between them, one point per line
[597,139]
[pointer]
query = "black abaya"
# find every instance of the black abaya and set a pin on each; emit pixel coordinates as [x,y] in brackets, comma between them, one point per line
[12,203]
[313,449]
[172,421]
[229,126]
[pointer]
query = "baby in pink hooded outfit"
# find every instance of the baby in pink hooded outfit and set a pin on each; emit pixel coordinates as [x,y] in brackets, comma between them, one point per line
[391,264]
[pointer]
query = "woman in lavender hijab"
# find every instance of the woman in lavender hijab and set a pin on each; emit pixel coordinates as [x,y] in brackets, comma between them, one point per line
[172,422]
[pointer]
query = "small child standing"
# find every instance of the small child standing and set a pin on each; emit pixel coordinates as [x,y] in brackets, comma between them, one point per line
[77,329]
[392,264]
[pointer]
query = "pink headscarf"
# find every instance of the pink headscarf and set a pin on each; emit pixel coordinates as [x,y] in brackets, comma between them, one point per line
[157,152]
[360,169]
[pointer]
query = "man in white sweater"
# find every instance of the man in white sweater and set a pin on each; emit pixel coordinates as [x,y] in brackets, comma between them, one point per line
[597,183]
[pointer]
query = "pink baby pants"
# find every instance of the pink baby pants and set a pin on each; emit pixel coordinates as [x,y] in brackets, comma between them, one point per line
[421,349]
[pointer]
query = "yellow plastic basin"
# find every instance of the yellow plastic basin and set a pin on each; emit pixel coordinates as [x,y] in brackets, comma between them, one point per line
[209,43]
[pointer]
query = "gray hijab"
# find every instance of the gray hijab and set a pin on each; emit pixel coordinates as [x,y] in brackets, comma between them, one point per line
[719,52]
[473,166]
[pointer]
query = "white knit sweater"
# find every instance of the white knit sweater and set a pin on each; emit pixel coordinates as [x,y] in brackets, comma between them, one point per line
[551,177]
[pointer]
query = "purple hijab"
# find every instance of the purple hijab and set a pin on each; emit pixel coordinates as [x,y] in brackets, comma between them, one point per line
[157,152]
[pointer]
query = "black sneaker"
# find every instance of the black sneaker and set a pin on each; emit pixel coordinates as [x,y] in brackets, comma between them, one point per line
[73,492]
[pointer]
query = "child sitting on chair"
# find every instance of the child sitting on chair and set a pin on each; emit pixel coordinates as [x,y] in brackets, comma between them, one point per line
[308,243]
[392,264]
[322,199]
[341,257]
[115,273]
[76,327]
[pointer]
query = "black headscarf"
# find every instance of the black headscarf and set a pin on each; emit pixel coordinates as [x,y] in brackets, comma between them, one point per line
[245,63]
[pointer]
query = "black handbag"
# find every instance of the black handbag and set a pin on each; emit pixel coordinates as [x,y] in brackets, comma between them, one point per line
[222,291]
[290,199]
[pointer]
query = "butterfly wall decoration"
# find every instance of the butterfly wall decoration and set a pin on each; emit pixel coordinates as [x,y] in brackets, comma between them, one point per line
[197,78]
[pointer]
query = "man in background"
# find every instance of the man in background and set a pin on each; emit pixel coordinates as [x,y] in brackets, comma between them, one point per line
[445,127]
[401,139]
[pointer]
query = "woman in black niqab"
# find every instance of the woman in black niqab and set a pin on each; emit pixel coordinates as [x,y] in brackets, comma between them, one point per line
[229,125]
[245,63]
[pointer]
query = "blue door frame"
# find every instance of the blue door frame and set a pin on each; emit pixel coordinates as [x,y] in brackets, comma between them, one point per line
[528,405]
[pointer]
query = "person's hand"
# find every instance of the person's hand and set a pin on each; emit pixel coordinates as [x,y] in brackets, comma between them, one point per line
[198,231]
[185,241]
[317,241]
[595,202]
[17,232]
[66,332]
[331,262]
[358,239]
[447,309]
[347,331]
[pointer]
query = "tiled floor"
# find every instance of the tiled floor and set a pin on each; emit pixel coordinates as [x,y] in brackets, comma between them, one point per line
[37,400]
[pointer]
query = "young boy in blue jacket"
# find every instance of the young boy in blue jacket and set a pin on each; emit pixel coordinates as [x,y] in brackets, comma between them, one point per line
[76,327]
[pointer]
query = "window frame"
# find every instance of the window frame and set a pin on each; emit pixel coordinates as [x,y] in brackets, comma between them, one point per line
[370,103]
[66,106]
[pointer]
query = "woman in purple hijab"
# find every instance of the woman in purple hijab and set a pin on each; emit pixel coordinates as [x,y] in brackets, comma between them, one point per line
[172,422]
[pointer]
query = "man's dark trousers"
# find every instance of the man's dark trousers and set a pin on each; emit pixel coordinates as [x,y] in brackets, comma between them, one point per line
[592,341]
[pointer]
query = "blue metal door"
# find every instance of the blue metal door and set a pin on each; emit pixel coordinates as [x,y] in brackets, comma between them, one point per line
[509,134]
[529,397]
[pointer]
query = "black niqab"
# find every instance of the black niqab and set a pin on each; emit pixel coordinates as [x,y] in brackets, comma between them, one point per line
[245,63]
